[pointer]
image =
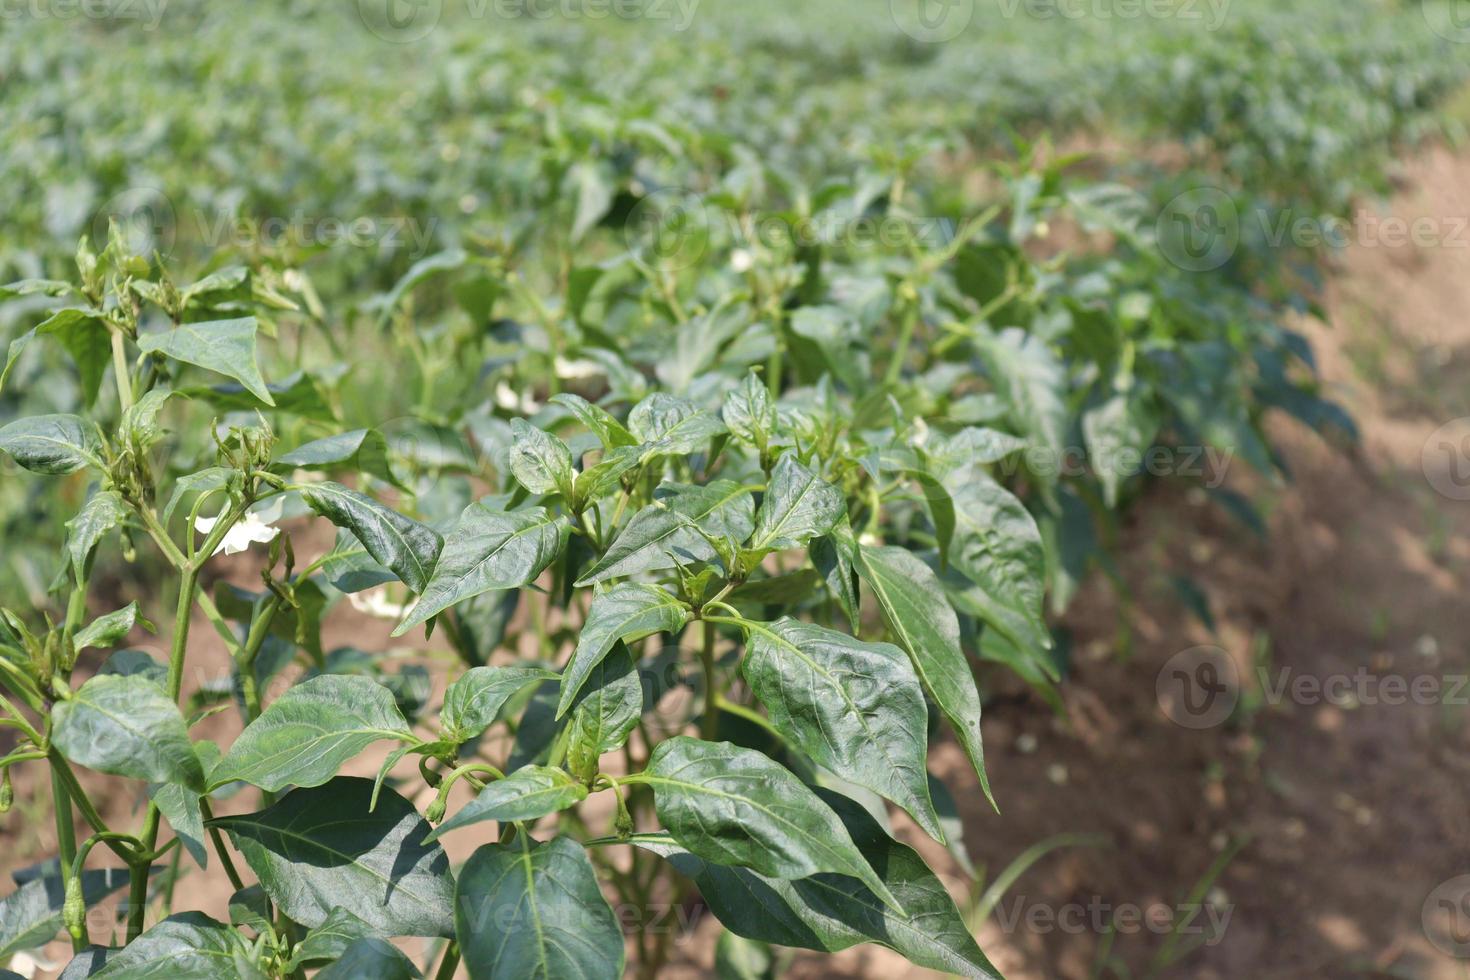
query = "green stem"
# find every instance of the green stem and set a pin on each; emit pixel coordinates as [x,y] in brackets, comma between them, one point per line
[120,370]
[217,839]
[450,964]
[710,725]
[66,837]
[905,337]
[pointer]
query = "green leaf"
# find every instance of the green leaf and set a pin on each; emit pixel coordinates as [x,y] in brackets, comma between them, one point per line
[626,613]
[923,621]
[407,548]
[349,568]
[127,726]
[32,287]
[998,547]
[1033,382]
[51,444]
[474,701]
[828,912]
[306,734]
[614,434]
[102,512]
[180,806]
[605,713]
[223,346]
[798,506]
[661,536]
[86,339]
[213,478]
[12,354]
[187,946]
[330,940]
[594,196]
[738,958]
[529,793]
[539,460]
[111,629]
[855,708]
[320,849]
[371,957]
[363,450]
[669,426]
[600,479]
[31,917]
[750,413]
[735,806]
[832,557]
[532,910]
[1119,430]
[487,550]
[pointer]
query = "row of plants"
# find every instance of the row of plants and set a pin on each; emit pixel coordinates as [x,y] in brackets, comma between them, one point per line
[723,427]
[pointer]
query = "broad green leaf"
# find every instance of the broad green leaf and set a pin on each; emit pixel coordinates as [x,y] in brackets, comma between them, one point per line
[735,806]
[300,393]
[12,354]
[349,568]
[538,729]
[30,916]
[102,512]
[749,412]
[605,713]
[660,535]
[306,734]
[738,958]
[489,550]
[669,426]
[594,195]
[421,271]
[86,339]
[51,444]
[363,450]
[627,613]
[223,346]
[1033,381]
[474,701]
[32,287]
[180,806]
[828,912]
[539,460]
[604,476]
[832,557]
[798,506]
[614,434]
[187,946]
[533,910]
[529,793]
[127,726]
[320,849]
[330,940]
[998,547]
[855,708]
[111,629]
[921,618]
[371,957]
[1118,433]
[206,480]
[406,547]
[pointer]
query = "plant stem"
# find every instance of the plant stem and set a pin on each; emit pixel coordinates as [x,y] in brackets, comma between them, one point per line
[120,370]
[710,724]
[217,839]
[450,963]
[905,336]
[66,839]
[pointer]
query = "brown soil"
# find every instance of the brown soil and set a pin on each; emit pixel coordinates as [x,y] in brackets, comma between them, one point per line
[1347,814]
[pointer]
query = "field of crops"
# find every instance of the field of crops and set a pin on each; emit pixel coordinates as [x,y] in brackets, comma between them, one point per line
[549,488]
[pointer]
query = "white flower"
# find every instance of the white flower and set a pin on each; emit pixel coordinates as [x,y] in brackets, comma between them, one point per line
[27,962]
[506,398]
[254,528]
[375,602]
[576,370]
[741,260]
